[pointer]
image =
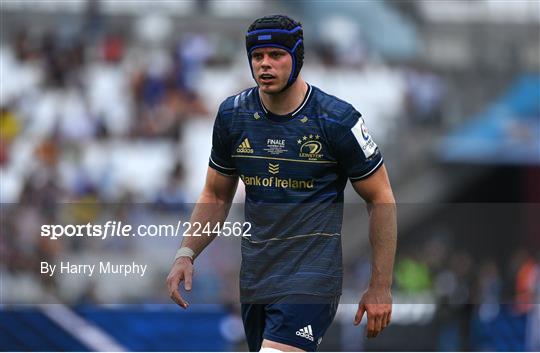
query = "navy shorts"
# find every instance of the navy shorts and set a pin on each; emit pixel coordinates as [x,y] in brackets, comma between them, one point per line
[289,321]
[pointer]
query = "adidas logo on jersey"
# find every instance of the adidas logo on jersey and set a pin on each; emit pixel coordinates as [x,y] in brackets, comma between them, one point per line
[245,147]
[306,332]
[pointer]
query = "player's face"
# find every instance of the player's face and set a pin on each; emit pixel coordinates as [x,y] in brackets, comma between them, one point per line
[271,68]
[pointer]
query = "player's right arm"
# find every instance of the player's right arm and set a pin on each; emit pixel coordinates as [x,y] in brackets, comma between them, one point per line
[212,208]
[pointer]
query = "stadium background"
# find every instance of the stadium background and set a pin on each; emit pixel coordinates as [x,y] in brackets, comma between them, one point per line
[106,111]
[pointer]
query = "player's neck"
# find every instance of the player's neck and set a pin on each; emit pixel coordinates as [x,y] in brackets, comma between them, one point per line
[286,102]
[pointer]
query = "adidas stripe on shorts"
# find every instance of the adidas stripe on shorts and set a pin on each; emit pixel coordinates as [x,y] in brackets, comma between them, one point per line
[289,321]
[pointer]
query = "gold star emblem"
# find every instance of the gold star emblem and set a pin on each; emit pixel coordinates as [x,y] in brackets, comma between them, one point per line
[304,138]
[299,141]
[317,137]
[310,136]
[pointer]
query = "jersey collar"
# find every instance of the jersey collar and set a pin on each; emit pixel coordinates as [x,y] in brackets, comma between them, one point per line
[289,116]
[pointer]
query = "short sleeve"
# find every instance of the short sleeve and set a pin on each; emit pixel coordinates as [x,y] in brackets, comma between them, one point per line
[220,157]
[356,152]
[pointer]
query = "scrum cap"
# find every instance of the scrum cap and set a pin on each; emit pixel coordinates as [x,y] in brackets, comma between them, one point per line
[281,32]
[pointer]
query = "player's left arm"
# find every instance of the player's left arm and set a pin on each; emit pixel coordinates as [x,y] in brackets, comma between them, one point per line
[377,299]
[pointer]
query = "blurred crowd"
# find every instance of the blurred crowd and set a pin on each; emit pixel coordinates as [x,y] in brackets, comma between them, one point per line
[67,102]
[60,96]
[69,89]
[459,292]
[470,291]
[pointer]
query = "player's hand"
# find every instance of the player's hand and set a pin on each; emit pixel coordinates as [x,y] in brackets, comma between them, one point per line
[182,270]
[377,303]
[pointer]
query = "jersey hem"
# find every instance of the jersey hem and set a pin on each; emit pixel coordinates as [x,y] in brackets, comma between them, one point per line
[272,297]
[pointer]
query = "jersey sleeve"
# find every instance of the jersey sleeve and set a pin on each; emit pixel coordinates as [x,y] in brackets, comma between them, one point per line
[220,157]
[356,152]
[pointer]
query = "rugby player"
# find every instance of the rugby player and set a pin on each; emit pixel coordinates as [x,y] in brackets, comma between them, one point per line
[294,147]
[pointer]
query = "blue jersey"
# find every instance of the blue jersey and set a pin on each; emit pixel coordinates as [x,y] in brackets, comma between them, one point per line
[294,168]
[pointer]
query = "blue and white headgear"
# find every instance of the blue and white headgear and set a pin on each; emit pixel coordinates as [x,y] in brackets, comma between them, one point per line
[281,32]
